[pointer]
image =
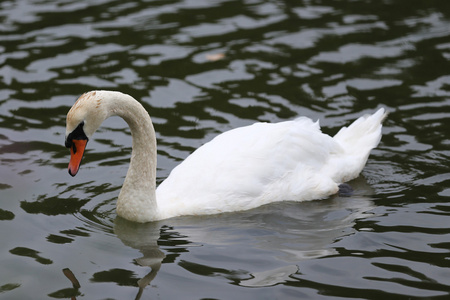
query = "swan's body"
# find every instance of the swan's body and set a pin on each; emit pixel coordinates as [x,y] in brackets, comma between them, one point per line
[238,170]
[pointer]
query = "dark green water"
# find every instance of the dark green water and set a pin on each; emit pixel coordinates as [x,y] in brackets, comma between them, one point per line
[329,60]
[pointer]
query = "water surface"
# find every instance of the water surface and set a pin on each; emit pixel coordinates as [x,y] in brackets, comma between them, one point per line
[201,68]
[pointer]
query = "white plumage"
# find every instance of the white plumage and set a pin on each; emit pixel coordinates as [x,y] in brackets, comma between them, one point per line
[239,169]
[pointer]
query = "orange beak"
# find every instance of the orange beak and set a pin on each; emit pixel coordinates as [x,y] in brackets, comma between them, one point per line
[76,154]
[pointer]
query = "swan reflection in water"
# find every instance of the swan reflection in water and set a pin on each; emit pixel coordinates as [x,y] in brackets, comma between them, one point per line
[143,237]
[256,248]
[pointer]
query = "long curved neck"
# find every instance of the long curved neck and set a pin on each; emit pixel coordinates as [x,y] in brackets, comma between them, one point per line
[137,199]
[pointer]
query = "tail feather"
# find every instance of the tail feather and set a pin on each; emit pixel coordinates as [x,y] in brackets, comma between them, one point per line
[357,140]
[364,133]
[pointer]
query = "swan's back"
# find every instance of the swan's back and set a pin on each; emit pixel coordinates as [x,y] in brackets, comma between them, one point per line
[262,163]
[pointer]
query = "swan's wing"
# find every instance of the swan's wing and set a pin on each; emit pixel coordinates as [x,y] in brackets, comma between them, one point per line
[250,166]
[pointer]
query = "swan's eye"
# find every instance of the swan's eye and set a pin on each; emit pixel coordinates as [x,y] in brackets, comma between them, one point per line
[77,134]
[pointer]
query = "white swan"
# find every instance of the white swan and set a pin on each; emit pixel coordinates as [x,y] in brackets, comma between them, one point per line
[238,170]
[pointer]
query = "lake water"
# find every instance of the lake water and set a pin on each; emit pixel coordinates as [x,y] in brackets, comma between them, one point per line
[201,68]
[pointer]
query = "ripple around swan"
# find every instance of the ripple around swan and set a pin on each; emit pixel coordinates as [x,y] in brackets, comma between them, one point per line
[201,68]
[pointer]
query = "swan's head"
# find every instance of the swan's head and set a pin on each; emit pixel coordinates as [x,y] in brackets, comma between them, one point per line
[82,121]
